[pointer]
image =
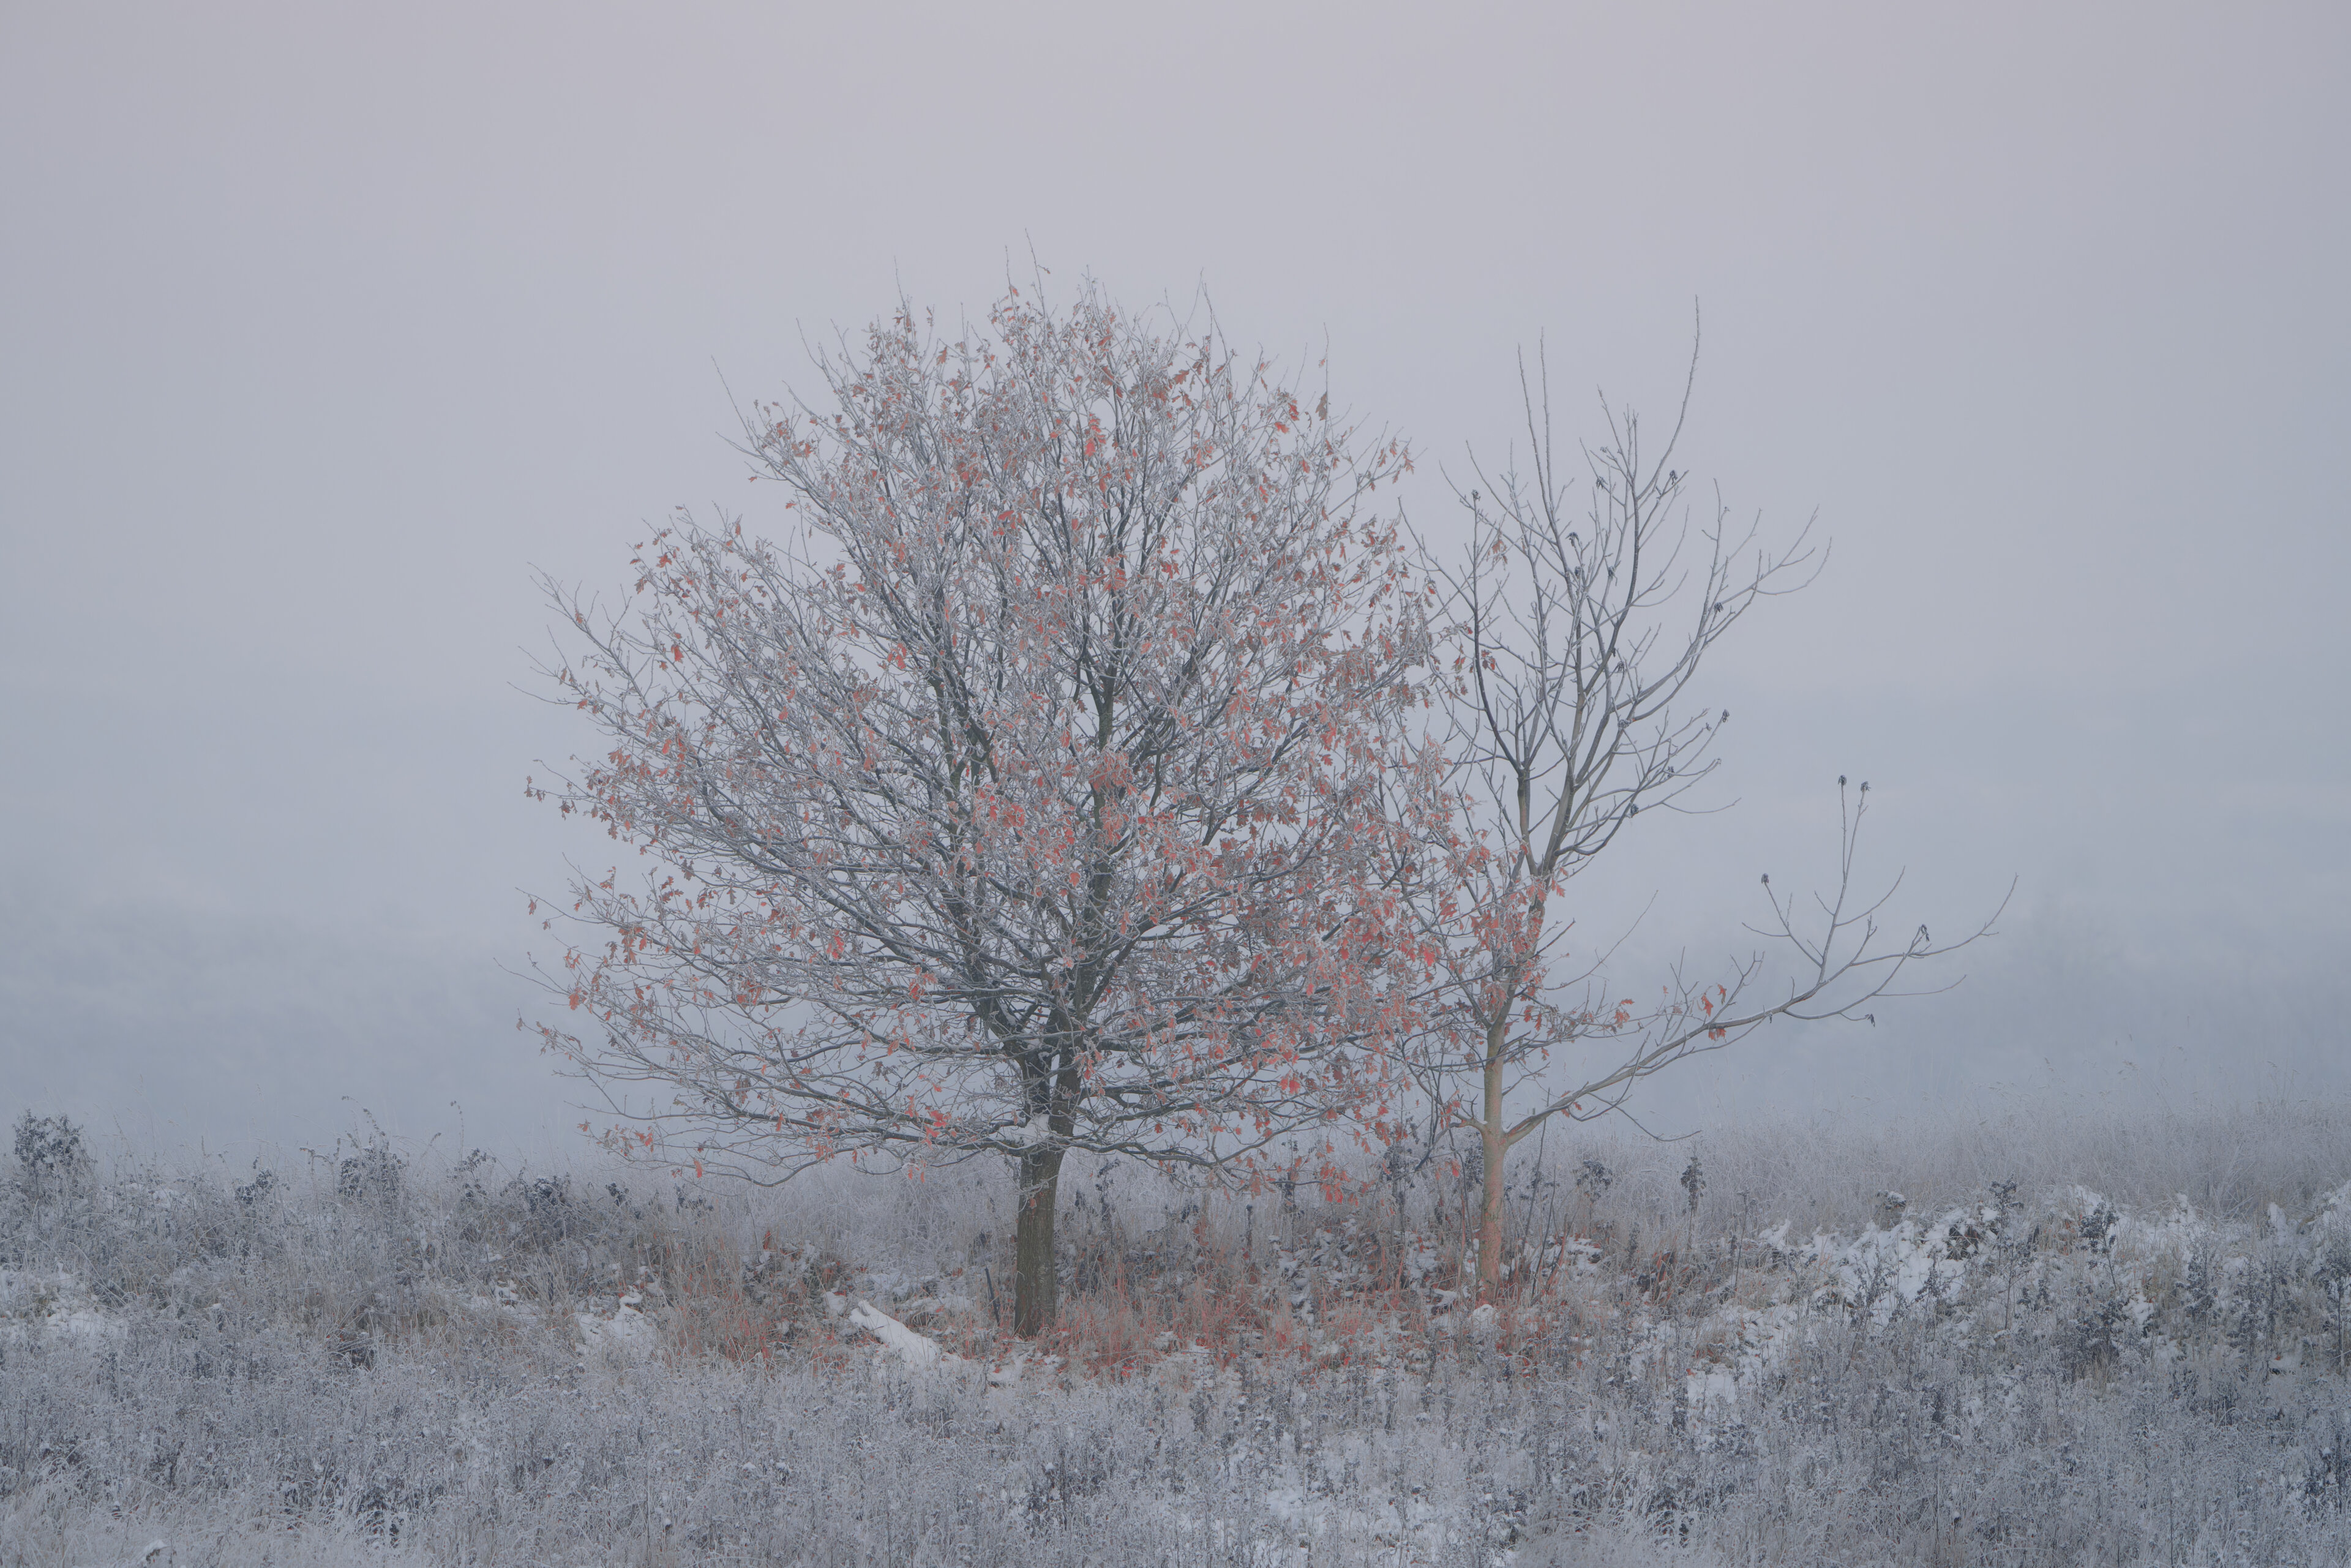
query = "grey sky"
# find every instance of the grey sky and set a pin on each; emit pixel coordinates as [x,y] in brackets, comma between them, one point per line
[321,326]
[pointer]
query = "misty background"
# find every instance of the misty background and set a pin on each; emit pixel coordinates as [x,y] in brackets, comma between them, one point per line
[323,327]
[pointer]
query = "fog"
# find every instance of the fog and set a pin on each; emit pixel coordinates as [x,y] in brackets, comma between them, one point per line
[322,329]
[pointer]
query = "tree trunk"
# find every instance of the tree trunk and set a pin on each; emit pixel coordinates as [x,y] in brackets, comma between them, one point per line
[1496,1144]
[1036,1283]
[1490,1216]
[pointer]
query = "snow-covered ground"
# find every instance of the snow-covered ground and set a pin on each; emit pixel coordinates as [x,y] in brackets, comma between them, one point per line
[2020,1361]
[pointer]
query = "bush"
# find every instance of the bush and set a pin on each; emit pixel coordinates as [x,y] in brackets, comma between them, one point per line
[1771,1365]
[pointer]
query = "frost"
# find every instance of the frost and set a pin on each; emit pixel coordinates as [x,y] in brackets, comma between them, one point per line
[2147,1368]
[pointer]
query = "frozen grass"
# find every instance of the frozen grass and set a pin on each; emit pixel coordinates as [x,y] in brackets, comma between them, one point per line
[2036,1341]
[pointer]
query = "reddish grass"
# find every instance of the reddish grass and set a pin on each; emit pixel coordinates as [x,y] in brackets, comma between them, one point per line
[1191,1290]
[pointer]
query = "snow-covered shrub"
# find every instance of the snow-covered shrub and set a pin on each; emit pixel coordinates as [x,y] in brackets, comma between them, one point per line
[2031,1358]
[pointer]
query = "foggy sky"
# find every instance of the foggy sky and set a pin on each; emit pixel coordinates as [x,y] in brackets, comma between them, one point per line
[323,327]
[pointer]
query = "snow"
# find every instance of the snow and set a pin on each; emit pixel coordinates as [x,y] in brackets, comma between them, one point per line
[623,1335]
[38,1305]
[913,1348]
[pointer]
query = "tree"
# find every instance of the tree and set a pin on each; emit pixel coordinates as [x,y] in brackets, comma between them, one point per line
[1574,640]
[1017,807]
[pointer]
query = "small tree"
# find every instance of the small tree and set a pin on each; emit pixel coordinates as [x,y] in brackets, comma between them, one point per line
[52,1158]
[1575,636]
[1020,807]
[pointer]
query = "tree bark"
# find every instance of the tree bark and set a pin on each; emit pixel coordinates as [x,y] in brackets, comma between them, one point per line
[1495,1144]
[1036,1283]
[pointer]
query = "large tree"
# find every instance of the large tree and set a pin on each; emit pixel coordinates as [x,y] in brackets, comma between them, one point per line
[1575,626]
[1017,805]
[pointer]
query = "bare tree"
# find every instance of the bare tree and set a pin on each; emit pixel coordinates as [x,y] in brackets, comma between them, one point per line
[1576,633]
[1020,807]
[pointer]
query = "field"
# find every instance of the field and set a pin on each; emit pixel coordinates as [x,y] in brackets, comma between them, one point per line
[2047,1339]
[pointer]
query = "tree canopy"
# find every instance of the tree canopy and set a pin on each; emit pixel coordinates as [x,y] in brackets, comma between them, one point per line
[1023,802]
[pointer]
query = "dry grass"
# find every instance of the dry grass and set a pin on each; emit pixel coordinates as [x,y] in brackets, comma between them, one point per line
[381,1358]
